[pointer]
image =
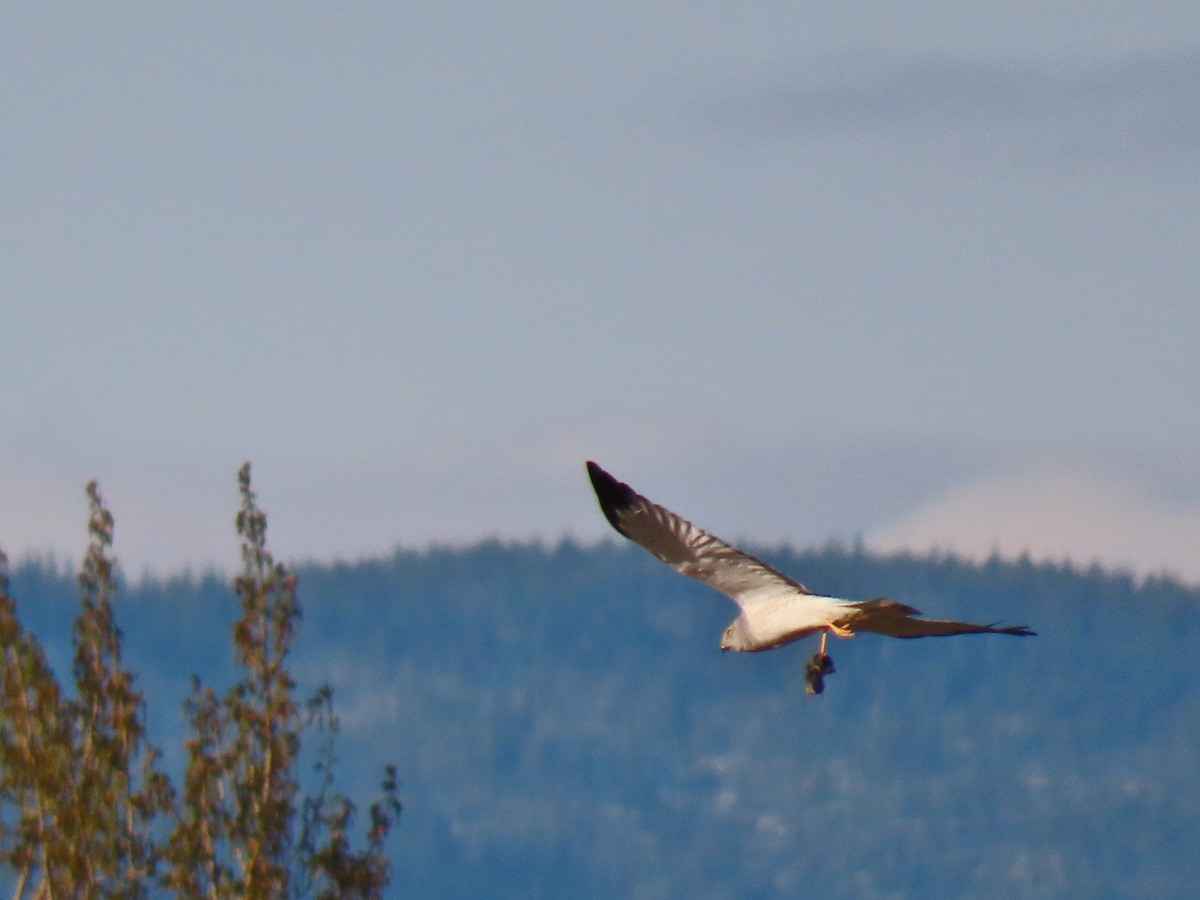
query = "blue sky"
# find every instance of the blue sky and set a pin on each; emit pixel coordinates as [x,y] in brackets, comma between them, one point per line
[924,275]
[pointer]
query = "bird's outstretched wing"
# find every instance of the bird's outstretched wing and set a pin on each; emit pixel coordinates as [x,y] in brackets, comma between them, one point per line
[690,550]
[888,617]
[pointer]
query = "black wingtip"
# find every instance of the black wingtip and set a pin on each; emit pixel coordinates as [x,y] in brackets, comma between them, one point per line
[613,495]
[1018,630]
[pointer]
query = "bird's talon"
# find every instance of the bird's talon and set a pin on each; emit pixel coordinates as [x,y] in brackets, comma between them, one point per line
[839,630]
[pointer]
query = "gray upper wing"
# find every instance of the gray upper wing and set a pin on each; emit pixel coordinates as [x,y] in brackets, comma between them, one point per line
[689,549]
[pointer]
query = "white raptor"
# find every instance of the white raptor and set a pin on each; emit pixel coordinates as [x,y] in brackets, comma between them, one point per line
[775,609]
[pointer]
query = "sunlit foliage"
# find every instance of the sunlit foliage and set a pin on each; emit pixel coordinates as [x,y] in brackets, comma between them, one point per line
[85,809]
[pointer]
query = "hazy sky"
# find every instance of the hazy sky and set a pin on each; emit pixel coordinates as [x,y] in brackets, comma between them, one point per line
[928,275]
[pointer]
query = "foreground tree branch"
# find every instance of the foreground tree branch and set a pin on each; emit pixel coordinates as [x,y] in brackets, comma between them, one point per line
[84,809]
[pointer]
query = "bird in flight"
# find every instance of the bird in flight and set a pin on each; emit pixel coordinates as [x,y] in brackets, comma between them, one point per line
[775,609]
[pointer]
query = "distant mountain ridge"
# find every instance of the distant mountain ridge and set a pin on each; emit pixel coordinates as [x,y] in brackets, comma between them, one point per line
[564,724]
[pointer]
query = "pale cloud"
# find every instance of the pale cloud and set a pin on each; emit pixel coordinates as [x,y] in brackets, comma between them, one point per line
[1125,106]
[1056,511]
[1137,510]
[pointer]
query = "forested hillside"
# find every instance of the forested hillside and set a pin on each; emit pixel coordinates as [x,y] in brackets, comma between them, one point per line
[564,724]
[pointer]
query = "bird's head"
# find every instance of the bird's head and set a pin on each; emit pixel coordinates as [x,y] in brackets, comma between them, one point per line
[734,637]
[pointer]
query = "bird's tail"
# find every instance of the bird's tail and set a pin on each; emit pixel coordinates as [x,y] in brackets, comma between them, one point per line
[884,616]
